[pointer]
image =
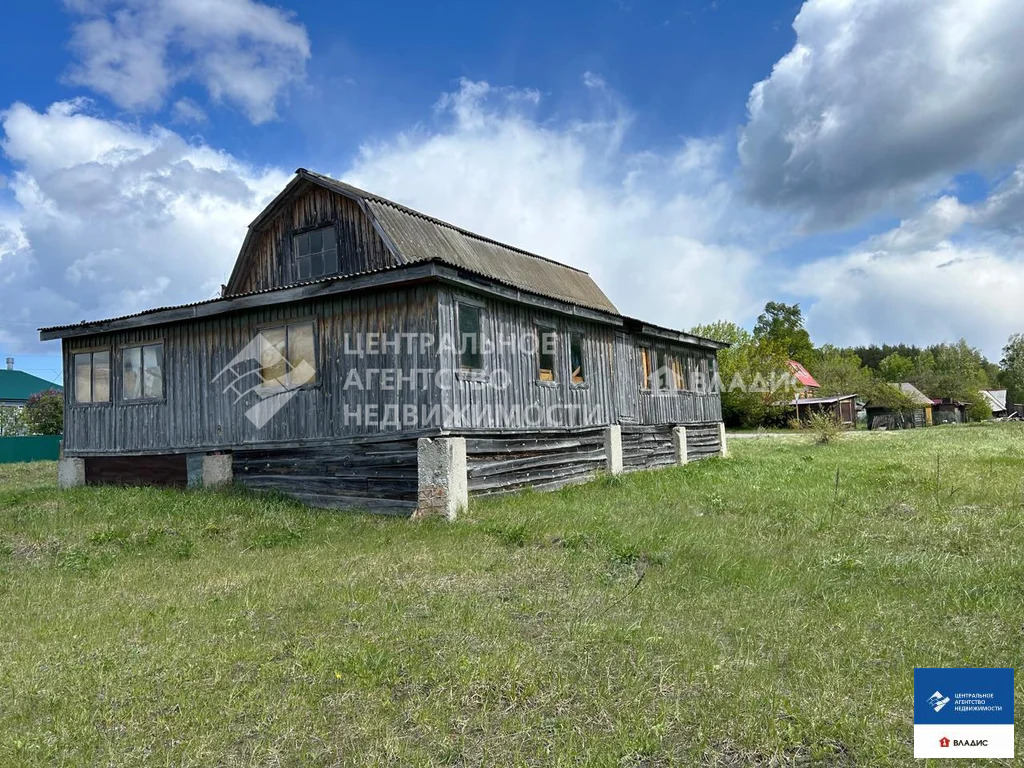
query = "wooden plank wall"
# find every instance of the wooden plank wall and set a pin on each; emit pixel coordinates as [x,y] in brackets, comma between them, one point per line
[647,447]
[197,414]
[703,441]
[377,475]
[611,394]
[499,463]
[270,262]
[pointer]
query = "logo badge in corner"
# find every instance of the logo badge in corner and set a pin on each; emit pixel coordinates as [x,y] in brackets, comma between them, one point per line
[963,712]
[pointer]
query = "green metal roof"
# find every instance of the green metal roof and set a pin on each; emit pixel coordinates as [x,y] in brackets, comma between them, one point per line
[18,385]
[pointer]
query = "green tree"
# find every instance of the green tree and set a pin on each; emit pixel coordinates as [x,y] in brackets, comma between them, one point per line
[12,421]
[784,324]
[896,368]
[838,371]
[754,374]
[952,370]
[1011,368]
[44,413]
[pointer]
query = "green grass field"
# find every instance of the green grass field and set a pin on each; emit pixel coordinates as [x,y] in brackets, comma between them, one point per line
[741,612]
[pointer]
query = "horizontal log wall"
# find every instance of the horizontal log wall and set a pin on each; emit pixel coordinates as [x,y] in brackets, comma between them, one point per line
[377,475]
[647,447]
[500,463]
[703,441]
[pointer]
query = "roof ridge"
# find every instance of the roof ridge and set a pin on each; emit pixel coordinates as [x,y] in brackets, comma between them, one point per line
[434,220]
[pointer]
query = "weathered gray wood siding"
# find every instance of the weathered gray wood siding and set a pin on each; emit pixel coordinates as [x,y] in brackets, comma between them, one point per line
[647,447]
[703,441]
[378,474]
[197,414]
[511,396]
[269,258]
[499,463]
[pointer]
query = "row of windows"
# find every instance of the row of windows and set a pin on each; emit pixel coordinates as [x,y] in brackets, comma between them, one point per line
[142,374]
[287,359]
[546,343]
[661,370]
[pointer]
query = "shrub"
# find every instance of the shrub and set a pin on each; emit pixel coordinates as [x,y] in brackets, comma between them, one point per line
[12,421]
[825,427]
[44,413]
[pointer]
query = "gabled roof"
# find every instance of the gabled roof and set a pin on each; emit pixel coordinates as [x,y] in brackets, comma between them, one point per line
[20,386]
[802,375]
[413,237]
[916,395]
[996,399]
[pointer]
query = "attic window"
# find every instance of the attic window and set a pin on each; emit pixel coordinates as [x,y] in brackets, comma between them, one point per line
[316,253]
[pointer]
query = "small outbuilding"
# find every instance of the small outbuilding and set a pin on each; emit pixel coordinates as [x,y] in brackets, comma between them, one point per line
[949,410]
[996,399]
[843,408]
[886,417]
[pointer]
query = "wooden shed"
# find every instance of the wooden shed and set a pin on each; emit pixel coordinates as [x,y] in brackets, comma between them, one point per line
[364,354]
[918,415]
[843,408]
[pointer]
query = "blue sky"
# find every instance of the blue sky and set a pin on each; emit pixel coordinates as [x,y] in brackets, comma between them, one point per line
[699,158]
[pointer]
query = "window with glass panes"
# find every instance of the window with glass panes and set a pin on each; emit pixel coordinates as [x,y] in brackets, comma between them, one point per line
[316,253]
[470,321]
[142,372]
[288,355]
[577,370]
[547,358]
[92,377]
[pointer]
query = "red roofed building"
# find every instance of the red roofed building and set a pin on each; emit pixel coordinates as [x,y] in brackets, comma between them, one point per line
[807,385]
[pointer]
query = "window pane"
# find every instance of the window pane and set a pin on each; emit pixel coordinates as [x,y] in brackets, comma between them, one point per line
[576,358]
[316,241]
[83,378]
[272,357]
[645,364]
[546,342]
[470,342]
[317,265]
[100,377]
[331,262]
[330,239]
[302,245]
[131,370]
[301,355]
[154,370]
[678,377]
[303,268]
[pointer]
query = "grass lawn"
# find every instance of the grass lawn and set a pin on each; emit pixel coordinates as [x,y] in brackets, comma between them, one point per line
[736,612]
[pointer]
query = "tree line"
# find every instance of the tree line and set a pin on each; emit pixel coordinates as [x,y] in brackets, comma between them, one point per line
[954,370]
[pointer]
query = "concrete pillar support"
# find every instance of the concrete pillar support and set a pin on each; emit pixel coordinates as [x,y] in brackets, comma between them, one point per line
[613,449]
[679,444]
[724,453]
[441,473]
[209,470]
[70,472]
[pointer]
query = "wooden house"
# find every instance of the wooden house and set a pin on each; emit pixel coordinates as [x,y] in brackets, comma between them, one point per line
[364,354]
[918,415]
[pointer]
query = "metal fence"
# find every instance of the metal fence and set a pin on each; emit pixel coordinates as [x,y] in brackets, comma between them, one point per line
[30,448]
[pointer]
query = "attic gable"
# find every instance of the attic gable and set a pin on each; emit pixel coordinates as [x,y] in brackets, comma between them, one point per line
[376,233]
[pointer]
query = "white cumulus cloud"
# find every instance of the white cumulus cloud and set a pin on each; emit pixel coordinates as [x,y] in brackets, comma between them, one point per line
[104,218]
[241,51]
[663,234]
[880,102]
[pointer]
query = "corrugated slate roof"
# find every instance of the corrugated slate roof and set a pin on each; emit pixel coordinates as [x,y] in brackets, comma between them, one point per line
[419,237]
[916,395]
[20,386]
